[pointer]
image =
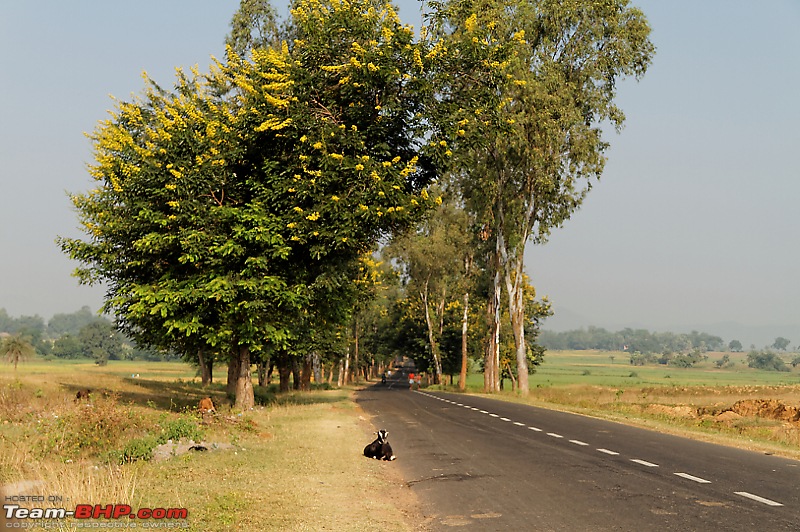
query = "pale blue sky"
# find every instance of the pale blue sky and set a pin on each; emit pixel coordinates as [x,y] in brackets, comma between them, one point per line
[694,222]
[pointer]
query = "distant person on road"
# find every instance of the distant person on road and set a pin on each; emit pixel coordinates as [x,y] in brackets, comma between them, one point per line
[410,381]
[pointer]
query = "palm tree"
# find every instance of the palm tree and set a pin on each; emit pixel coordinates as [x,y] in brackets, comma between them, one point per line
[15,349]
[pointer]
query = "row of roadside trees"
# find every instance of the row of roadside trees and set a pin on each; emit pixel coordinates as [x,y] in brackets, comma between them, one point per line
[235,218]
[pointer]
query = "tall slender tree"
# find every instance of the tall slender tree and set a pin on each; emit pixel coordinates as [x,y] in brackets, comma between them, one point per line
[525,122]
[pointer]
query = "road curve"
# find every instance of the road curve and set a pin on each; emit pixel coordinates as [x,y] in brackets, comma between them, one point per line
[483,464]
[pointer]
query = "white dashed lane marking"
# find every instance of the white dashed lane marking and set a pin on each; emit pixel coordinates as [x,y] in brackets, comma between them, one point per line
[694,478]
[612,453]
[645,463]
[757,498]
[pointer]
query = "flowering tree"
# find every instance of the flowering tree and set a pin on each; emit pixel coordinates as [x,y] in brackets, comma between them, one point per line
[230,212]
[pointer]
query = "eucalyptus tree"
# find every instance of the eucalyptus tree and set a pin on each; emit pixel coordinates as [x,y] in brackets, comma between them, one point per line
[526,87]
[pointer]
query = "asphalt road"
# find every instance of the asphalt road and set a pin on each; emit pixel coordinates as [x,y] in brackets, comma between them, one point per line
[481,464]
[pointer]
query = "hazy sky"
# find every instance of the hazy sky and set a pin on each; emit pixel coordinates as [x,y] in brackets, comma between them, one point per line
[694,222]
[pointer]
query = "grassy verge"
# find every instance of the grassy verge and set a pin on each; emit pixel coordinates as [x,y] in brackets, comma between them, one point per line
[293,464]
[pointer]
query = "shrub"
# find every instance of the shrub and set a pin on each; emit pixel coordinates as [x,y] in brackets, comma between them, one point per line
[766,360]
[182,427]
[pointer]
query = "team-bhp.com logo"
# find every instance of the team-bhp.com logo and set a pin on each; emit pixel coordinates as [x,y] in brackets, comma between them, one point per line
[14,512]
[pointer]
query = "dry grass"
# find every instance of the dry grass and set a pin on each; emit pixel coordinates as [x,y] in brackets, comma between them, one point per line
[295,465]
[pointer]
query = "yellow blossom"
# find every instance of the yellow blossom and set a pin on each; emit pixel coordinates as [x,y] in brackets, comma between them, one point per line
[291,225]
[314,216]
[335,198]
[359,167]
[472,22]
[317,145]
[298,209]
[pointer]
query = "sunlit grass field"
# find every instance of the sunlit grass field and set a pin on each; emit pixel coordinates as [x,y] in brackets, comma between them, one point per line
[293,463]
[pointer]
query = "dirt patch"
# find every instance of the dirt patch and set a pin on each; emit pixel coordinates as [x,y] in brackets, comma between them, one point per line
[727,417]
[672,411]
[767,409]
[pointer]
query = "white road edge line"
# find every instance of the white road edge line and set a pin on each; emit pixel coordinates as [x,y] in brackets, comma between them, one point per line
[612,453]
[757,498]
[692,477]
[644,462]
[578,442]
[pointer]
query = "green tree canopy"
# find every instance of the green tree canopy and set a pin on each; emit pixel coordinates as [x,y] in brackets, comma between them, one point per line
[229,209]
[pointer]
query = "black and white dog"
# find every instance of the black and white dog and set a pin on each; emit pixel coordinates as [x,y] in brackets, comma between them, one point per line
[380,448]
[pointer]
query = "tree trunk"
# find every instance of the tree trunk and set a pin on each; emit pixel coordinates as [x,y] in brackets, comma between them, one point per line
[513,380]
[355,346]
[262,372]
[515,286]
[491,376]
[206,367]
[295,374]
[305,374]
[462,378]
[284,371]
[316,367]
[245,399]
[344,378]
[233,373]
[437,365]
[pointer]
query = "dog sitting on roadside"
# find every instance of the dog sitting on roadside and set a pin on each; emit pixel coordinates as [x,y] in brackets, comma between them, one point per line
[380,448]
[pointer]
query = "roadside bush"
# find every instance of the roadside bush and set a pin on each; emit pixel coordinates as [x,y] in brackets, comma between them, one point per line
[182,427]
